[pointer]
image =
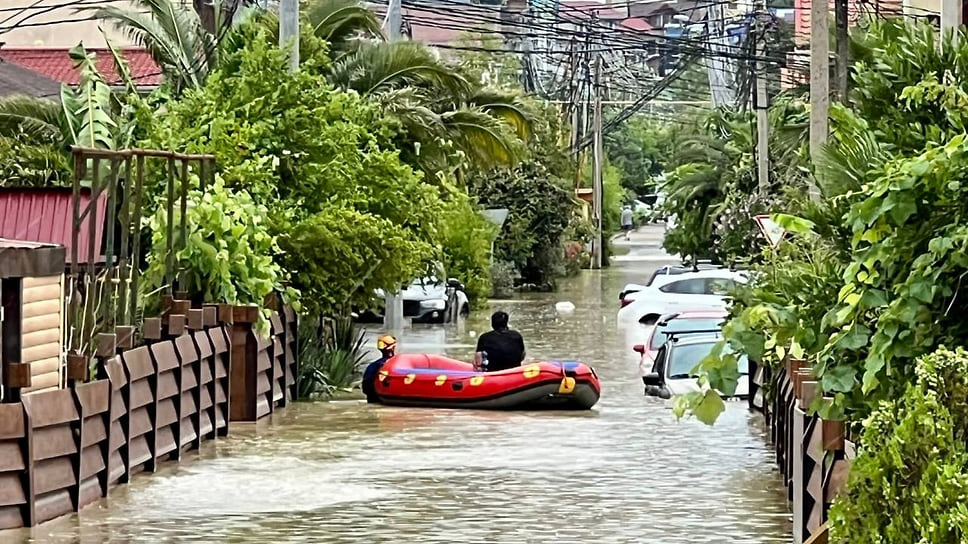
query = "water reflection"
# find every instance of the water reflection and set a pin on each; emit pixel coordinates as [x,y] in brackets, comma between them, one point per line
[344,472]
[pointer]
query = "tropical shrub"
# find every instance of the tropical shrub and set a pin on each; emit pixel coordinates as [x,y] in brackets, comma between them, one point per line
[539,196]
[331,357]
[910,478]
[350,216]
[26,163]
[640,149]
[465,238]
[712,186]
[891,222]
[539,211]
[229,254]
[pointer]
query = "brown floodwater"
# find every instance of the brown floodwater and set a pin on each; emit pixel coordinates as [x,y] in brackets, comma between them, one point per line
[347,472]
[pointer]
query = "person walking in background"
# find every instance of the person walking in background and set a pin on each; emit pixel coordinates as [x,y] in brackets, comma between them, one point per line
[627,220]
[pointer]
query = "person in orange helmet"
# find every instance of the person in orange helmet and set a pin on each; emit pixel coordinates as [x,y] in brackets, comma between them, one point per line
[387,345]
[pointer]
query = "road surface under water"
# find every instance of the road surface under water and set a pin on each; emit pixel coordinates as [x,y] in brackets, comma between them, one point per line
[345,472]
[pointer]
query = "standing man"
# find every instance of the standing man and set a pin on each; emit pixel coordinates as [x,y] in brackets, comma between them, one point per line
[388,348]
[502,347]
[627,220]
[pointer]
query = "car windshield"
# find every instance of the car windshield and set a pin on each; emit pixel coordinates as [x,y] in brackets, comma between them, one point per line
[678,325]
[686,357]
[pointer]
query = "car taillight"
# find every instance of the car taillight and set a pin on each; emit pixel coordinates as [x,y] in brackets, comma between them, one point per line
[625,302]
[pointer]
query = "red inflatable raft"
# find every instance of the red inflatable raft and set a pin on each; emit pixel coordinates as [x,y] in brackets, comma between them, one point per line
[438,381]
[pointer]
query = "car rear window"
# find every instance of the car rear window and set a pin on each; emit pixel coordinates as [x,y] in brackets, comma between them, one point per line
[686,357]
[686,324]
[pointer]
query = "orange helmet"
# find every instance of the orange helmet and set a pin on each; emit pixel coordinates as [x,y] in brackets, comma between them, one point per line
[386,342]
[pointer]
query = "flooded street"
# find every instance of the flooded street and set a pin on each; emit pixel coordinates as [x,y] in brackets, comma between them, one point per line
[346,472]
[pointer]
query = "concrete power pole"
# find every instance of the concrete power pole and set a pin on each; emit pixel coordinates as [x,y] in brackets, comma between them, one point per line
[819,82]
[762,112]
[950,16]
[393,303]
[843,49]
[289,31]
[394,20]
[597,189]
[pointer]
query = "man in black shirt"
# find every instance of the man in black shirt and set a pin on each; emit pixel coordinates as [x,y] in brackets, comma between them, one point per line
[503,346]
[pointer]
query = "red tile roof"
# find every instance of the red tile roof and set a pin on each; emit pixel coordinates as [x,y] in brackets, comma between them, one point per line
[56,64]
[45,215]
[637,23]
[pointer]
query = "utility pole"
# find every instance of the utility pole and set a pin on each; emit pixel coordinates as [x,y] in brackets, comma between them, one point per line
[819,82]
[950,17]
[843,49]
[393,303]
[394,20]
[762,111]
[597,188]
[289,31]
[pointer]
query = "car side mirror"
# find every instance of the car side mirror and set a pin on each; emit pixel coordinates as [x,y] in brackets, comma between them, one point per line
[639,348]
[652,378]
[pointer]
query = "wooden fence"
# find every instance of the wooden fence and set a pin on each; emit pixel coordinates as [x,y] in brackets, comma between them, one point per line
[812,454]
[64,449]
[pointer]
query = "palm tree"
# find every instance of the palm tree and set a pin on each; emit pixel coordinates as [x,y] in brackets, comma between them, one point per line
[343,23]
[439,109]
[36,118]
[172,34]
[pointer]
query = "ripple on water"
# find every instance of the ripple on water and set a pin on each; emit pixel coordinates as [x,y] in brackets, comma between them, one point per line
[345,473]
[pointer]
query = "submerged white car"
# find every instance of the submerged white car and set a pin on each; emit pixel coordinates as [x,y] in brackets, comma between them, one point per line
[427,300]
[667,270]
[672,372]
[670,293]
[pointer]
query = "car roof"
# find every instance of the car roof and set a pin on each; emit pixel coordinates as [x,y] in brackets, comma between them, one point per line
[696,338]
[663,279]
[699,313]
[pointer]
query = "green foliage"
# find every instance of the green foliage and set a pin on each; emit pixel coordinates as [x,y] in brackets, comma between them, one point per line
[538,195]
[331,358]
[901,292]
[465,237]
[712,187]
[349,214]
[25,163]
[879,283]
[87,111]
[228,257]
[33,119]
[779,312]
[342,22]
[341,255]
[540,210]
[447,122]
[910,479]
[640,149]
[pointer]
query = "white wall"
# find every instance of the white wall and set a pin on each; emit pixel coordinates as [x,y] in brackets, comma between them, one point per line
[52,30]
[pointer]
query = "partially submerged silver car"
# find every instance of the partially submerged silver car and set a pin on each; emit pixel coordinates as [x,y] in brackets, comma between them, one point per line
[673,372]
